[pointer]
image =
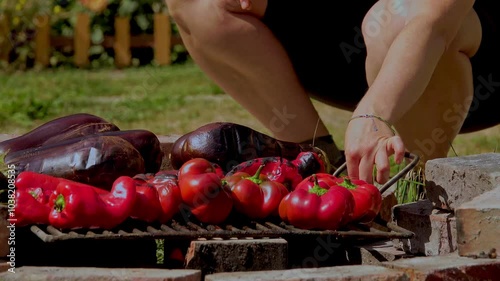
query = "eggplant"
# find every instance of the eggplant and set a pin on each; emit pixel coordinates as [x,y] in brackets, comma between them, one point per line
[228,144]
[96,160]
[59,128]
[147,143]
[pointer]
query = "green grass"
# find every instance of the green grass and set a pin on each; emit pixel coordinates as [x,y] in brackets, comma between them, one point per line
[165,100]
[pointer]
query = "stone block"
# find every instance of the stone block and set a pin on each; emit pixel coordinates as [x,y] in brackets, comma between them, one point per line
[213,256]
[448,267]
[337,273]
[32,273]
[478,225]
[166,143]
[4,232]
[375,253]
[453,181]
[435,230]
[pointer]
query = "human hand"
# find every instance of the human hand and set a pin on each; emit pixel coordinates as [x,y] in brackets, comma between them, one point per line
[245,4]
[370,142]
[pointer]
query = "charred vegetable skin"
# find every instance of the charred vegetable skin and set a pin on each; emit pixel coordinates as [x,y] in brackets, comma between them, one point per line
[228,144]
[58,129]
[94,160]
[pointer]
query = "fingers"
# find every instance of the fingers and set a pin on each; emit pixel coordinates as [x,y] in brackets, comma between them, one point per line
[383,166]
[366,169]
[245,4]
[395,145]
[352,165]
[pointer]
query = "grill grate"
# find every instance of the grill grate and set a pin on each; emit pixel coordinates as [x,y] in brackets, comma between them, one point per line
[193,231]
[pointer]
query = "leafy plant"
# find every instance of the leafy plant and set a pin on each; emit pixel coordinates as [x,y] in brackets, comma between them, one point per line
[22,19]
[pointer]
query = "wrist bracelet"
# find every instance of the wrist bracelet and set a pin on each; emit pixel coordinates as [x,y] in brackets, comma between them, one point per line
[378,118]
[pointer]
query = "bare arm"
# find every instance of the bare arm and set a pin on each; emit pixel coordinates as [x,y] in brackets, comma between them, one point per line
[429,30]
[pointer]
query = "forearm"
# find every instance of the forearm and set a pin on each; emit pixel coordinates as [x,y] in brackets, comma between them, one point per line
[404,74]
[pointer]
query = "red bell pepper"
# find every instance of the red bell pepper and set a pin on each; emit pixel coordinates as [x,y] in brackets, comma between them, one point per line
[202,191]
[169,194]
[147,203]
[29,210]
[287,172]
[255,196]
[80,206]
[41,186]
[317,204]
[367,199]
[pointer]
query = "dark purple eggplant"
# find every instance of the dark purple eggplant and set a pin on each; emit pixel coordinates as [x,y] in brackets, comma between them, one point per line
[59,128]
[148,145]
[82,131]
[228,144]
[96,160]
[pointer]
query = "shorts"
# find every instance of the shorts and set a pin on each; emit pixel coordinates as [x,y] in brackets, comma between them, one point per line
[324,42]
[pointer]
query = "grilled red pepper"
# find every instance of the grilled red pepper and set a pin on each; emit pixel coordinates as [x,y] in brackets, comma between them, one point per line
[255,196]
[367,199]
[202,191]
[147,203]
[287,172]
[29,210]
[80,206]
[317,204]
[169,194]
[41,186]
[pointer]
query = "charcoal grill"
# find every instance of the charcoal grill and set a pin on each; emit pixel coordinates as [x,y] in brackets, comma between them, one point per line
[237,227]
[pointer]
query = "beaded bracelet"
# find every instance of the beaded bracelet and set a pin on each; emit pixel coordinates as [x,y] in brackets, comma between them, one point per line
[376,117]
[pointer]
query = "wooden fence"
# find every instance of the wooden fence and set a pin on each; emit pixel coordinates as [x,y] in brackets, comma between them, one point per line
[122,41]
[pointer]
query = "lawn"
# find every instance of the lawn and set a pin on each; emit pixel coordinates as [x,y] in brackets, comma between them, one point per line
[165,100]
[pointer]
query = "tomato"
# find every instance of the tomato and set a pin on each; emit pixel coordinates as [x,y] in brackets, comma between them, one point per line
[202,191]
[255,196]
[317,203]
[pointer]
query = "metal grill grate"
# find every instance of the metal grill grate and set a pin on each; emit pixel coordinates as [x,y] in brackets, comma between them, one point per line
[193,231]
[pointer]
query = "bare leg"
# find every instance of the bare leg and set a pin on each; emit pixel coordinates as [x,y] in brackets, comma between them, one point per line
[241,54]
[441,110]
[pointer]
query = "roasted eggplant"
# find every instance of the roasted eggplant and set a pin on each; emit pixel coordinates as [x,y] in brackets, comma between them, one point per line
[96,160]
[228,144]
[58,129]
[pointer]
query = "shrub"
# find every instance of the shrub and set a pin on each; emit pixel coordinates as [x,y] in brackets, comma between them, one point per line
[22,18]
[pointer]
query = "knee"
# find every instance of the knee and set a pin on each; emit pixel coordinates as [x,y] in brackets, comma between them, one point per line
[205,19]
[383,22]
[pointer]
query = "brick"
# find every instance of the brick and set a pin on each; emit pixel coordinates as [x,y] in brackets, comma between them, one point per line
[448,267]
[375,253]
[31,273]
[453,181]
[166,143]
[435,230]
[4,266]
[478,224]
[4,232]
[337,273]
[237,255]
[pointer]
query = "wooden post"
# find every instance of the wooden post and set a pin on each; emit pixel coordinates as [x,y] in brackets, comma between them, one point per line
[82,40]
[162,38]
[42,40]
[5,44]
[123,56]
